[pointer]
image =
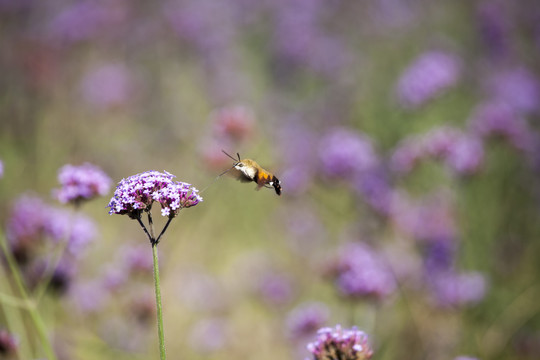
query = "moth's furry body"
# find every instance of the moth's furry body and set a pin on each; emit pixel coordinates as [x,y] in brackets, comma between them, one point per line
[247,170]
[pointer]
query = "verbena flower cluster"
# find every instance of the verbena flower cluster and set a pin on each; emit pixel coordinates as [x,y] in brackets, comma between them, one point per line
[461,152]
[137,193]
[32,220]
[346,153]
[361,273]
[82,182]
[340,344]
[35,229]
[427,77]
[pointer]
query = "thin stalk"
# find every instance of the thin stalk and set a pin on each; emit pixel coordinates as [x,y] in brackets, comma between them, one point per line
[158,303]
[151,226]
[145,230]
[162,231]
[32,309]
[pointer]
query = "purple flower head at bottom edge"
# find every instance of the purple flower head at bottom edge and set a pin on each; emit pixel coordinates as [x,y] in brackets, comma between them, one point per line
[339,343]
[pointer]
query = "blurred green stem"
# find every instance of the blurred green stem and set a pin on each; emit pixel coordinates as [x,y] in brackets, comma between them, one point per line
[158,303]
[32,309]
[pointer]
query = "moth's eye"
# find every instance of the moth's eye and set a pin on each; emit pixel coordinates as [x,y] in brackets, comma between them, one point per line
[240,164]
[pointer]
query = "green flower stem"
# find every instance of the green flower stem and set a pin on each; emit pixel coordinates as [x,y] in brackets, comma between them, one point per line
[158,304]
[32,309]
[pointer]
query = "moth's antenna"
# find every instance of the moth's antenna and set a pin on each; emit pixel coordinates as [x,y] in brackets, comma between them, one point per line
[223,151]
[223,173]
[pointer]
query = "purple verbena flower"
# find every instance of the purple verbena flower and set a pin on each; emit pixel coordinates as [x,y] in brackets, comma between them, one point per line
[494,26]
[32,221]
[9,343]
[406,155]
[300,39]
[77,230]
[428,220]
[466,155]
[84,20]
[461,152]
[80,183]
[376,190]
[306,319]
[26,226]
[427,77]
[517,87]
[457,289]
[137,193]
[500,119]
[362,273]
[340,344]
[345,153]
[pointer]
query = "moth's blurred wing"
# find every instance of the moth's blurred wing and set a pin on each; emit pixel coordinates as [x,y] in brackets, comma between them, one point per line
[238,175]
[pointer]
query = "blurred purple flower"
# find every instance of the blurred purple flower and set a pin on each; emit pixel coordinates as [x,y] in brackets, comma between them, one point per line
[9,344]
[428,220]
[427,77]
[451,289]
[206,24]
[26,226]
[275,289]
[208,335]
[494,26]
[77,230]
[113,278]
[406,155]
[439,256]
[304,320]
[138,192]
[78,22]
[1,169]
[32,221]
[345,153]
[80,183]
[296,178]
[517,87]
[300,39]
[362,273]
[338,343]
[84,20]
[466,155]
[465,358]
[108,86]
[499,119]
[461,152]
[375,188]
